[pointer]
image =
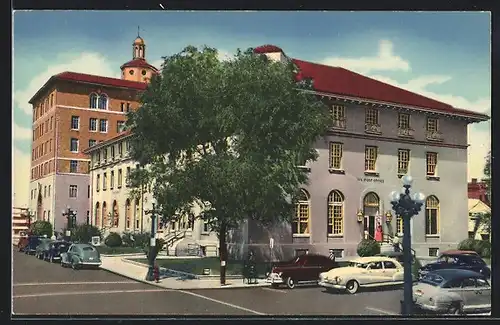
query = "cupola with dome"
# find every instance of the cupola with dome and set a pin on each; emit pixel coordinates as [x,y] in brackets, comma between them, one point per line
[138,69]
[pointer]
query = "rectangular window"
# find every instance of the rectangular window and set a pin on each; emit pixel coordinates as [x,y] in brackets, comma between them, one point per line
[337,253]
[127,146]
[128,107]
[371,116]
[73,191]
[112,180]
[404,121]
[300,224]
[120,177]
[113,151]
[433,252]
[50,145]
[93,124]
[103,125]
[336,155]
[120,125]
[75,122]
[48,191]
[431,163]
[370,158]
[51,122]
[45,191]
[403,161]
[88,191]
[104,181]
[105,154]
[127,177]
[120,149]
[98,183]
[74,145]
[122,106]
[46,124]
[73,166]
[206,226]
[92,142]
[338,116]
[432,124]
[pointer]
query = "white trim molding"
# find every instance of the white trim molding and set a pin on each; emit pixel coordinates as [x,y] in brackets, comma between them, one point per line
[92,109]
[78,159]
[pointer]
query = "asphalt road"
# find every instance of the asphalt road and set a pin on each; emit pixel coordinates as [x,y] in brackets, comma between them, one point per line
[43,288]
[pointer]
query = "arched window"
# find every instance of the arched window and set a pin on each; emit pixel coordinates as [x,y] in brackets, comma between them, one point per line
[300,223]
[115,215]
[93,100]
[44,215]
[432,215]
[127,214]
[103,101]
[335,213]
[371,200]
[105,221]
[97,222]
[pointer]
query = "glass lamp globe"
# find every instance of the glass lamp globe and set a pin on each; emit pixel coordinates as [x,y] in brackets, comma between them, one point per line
[419,197]
[407,180]
[394,196]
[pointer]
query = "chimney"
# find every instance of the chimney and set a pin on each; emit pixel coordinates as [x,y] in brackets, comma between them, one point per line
[474,180]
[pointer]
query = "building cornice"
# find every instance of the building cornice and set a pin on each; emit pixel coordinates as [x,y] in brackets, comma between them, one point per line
[394,106]
[397,140]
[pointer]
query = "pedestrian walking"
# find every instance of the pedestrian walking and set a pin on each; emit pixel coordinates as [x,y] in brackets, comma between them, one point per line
[379,233]
[156,272]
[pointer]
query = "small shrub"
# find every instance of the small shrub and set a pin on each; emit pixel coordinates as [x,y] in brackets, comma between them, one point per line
[368,247]
[84,233]
[482,247]
[141,239]
[113,240]
[41,228]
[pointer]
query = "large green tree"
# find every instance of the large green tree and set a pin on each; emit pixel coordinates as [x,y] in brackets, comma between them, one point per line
[227,136]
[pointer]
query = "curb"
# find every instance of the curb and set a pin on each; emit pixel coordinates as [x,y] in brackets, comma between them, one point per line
[118,255]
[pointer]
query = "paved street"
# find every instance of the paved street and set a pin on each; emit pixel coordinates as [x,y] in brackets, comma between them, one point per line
[44,288]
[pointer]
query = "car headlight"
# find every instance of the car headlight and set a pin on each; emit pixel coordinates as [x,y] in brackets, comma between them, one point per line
[338,279]
[267,274]
[279,274]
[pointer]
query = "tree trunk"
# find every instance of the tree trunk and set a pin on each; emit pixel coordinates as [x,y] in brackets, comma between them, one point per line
[222,252]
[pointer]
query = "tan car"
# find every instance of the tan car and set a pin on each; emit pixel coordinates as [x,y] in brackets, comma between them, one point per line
[363,272]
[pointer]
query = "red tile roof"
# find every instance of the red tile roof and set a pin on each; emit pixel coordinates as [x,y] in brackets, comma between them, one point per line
[340,81]
[267,49]
[141,63]
[93,79]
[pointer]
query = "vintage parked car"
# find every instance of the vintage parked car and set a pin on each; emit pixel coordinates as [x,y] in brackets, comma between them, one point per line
[373,271]
[453,291]
[301,269]
[31,244]
[42,248]
[81,255]
[397,256]
[457,260]
[55,250]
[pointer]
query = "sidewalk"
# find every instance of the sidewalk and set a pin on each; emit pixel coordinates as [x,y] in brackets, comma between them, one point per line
[170,279]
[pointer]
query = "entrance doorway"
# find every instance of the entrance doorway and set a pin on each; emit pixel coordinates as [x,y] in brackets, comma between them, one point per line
[371,206]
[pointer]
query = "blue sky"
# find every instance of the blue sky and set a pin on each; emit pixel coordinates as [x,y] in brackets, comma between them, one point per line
[441,55]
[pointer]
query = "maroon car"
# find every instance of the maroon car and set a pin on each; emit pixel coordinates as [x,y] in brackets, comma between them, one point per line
[301,269]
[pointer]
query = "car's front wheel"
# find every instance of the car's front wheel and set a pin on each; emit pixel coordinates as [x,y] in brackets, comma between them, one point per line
[352,286]
[290,283]
[455,309]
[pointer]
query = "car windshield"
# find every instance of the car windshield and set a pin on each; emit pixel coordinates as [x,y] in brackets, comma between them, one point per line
[88,249]
[432,279]
[358,265]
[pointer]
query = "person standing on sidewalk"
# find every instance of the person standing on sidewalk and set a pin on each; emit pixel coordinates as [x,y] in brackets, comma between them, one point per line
[156,272]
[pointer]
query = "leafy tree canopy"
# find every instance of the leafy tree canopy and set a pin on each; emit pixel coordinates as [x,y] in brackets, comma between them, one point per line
[227,135]
[41,228]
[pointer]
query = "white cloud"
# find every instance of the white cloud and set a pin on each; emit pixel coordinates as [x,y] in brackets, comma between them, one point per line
[21,177]
[385,60]
[20,133]
[90,63]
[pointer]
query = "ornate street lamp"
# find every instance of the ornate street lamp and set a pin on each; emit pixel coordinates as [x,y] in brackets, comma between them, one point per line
[70,218]
[152,244]
[359,215]
[407,207]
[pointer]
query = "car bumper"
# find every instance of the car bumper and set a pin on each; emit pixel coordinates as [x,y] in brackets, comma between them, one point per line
[274,280]
[91,263]
[331,285]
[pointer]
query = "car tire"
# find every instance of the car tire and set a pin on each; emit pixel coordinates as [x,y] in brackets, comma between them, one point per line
[290,283]
[74,265]
[455,309]
[352,286]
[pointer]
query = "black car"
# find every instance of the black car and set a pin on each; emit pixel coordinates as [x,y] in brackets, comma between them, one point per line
[55,250]
[457,261]
[33,242]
